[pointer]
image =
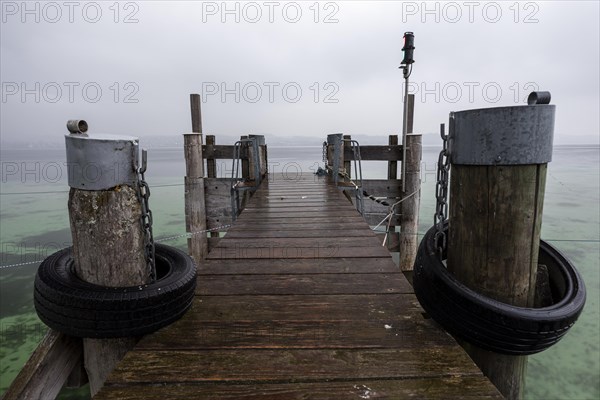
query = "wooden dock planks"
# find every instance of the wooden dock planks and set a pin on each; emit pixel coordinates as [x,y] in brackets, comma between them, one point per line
[299,300]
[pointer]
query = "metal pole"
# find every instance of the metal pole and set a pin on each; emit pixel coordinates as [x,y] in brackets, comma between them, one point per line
[404,128]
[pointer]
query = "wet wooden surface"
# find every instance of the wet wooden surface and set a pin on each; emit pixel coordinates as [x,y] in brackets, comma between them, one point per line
[299,300]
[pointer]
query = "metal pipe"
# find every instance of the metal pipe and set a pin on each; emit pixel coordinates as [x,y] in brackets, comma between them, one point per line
[538,98]
[77,126]
[404,128]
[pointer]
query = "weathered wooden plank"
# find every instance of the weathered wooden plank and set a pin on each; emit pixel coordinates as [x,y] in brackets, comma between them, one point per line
[373,307]
[222,152]
[315,184]
[311,198]
[275,190]
[218,202]
[309,242]
[299,266]
[294,226]
[47,369]
[407,331]
[290,252]
[316,233]
[376,152]
[305,215]
[279,207]
[332,196]
[291,365]
[229,285]
[455,387]
[315,221]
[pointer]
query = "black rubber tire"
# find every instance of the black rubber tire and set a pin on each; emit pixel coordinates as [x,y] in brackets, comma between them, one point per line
[490,324]
[67,304]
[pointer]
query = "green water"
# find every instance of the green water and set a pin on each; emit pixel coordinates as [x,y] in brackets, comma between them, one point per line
[35,225]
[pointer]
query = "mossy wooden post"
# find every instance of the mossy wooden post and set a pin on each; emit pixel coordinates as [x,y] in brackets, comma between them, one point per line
[499,158]
[108,241]
[195,209]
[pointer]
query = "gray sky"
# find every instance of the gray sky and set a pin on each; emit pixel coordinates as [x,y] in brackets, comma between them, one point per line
[290,68]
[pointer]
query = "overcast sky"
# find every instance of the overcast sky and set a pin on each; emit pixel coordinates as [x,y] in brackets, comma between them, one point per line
[290,68]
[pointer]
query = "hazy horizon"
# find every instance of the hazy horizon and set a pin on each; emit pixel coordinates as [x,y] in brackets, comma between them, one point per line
[290,68]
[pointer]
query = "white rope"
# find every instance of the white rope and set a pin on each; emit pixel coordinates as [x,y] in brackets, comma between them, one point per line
[391,214]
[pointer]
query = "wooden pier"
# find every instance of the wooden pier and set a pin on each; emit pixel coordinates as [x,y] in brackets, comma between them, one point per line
[299,300]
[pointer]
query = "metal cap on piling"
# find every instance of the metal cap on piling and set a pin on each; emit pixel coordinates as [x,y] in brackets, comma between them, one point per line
[100,162]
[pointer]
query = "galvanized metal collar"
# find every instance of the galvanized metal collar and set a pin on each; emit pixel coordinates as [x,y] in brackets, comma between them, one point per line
[101,162]
[516,135]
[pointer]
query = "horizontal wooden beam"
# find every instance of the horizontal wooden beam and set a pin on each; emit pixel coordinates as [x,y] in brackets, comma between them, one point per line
[48,368]
[376,153]
[224,152]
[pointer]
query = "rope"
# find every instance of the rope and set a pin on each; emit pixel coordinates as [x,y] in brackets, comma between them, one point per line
[187,234]
[391,214]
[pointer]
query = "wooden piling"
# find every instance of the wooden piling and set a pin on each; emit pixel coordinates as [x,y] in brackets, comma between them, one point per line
[393,164]
[393,242]
[498,159]
[347,146]
[108,250]
[245,161]
[495,222]
[409,208]
[211,170]
[211,164]
[195,209]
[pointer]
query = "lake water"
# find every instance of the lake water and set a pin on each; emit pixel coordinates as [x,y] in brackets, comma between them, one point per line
[34,223]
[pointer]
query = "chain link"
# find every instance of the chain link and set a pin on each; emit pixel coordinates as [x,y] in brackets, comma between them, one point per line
[441,193]
[325,154]
[146,219]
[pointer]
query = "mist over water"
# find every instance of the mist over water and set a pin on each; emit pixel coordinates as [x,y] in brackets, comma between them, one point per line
[34,224]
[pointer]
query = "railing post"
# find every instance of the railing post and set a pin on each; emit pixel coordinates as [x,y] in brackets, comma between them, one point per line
[195,209]
[211,170]
[392,165]
[335,154]
[347,145]
[409,208]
